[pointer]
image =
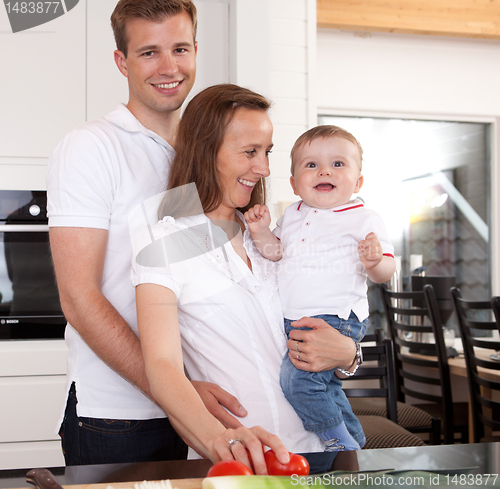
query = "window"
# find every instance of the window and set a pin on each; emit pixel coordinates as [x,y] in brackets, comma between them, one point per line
[430,181]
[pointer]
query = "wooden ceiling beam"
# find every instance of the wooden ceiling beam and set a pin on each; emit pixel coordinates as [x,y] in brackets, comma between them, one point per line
[464,18]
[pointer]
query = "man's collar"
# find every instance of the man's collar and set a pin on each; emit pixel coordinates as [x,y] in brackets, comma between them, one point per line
[123,118]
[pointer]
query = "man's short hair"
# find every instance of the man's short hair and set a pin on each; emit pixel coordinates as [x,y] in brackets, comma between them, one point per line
[152,10]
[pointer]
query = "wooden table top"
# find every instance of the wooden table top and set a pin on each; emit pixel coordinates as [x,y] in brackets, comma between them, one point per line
[458,367]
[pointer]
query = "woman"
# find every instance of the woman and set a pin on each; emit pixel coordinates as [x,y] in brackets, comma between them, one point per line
[212,291]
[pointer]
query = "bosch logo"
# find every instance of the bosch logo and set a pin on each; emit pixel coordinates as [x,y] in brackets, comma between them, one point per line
[10,321]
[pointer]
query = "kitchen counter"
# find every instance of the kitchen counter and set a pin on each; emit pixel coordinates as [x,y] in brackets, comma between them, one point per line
[480,458]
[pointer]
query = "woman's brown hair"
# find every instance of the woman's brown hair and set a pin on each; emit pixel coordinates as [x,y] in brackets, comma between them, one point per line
[199,137]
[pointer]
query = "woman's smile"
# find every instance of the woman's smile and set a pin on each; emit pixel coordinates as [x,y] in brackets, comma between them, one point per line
[243,158]
[247,183]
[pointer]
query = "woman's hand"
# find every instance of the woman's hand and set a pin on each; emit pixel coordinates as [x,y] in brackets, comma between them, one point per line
[320,348]
[252,439]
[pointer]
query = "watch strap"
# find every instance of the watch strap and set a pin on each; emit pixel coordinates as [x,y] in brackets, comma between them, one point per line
[357,360]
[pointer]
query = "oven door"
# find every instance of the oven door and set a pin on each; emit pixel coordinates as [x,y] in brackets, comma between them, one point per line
[29,301]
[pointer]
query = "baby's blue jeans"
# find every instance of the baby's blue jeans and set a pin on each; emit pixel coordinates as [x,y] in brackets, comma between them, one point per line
[317,397]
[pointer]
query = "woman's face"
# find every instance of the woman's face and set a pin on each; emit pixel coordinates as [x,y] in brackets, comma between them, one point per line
[243,157]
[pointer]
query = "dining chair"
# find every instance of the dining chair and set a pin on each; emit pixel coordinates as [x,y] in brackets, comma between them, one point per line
[381,431]
[422,370]
[475,317]
[495,305]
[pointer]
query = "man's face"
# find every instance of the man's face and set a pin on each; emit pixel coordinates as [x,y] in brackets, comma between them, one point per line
[160,65]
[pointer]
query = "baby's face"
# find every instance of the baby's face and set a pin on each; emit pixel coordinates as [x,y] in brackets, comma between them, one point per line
[327,172]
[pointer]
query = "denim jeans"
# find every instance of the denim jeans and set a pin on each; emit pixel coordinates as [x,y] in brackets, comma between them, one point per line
[317,397]
[103,441]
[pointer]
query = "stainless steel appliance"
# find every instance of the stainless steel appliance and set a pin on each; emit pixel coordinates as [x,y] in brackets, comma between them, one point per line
[29,301]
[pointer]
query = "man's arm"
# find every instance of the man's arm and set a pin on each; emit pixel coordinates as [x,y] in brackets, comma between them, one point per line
[78,255]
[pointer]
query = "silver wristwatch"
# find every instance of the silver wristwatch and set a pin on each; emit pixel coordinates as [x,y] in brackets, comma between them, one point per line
[358,360]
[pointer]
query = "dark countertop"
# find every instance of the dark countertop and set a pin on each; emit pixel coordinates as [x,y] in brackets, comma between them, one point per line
[480,458]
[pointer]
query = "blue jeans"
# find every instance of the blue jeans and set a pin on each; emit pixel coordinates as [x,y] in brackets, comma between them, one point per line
[104,441]
[317,397]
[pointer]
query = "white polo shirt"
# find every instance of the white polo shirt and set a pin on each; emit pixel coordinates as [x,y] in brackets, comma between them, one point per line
[320,271]
[95,176]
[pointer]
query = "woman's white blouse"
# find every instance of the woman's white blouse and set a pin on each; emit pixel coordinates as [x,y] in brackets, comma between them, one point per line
[230,319]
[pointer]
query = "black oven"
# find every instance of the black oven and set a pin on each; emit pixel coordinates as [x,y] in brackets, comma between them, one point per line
[29,301]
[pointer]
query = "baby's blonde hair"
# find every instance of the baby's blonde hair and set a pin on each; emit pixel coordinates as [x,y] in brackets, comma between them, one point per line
[319,132]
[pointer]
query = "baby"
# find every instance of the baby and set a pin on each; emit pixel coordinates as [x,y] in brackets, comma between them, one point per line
[327,245]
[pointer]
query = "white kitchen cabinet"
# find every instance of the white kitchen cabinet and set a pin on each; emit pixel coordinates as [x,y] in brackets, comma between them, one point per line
[106,86]
[32,393]
[42,83]
[23,173]
[20,358]
[212,62]
[31,455]
[31,405]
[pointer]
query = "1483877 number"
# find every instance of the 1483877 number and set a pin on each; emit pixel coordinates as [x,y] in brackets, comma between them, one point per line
[471,479]
[33,7]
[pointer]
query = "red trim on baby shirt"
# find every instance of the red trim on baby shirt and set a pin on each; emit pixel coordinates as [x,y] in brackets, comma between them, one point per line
[338,210]
[349,208]
[388,254]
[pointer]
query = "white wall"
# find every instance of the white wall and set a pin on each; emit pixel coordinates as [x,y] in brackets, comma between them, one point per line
[273,51]
[418,76]
[293,61]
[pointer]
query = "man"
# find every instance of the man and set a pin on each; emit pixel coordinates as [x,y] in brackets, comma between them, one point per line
[96,175]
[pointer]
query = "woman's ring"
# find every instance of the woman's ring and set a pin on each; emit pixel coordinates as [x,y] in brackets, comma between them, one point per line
[232,441]
[298,357]
[297,346]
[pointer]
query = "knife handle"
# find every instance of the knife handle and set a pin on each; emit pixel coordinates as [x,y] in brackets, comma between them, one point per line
[43,479]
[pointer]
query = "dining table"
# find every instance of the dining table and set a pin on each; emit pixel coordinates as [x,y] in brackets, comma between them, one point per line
[458,367]
[456,465]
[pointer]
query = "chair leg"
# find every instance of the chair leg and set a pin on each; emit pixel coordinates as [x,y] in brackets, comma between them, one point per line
[464,435]
[435,436]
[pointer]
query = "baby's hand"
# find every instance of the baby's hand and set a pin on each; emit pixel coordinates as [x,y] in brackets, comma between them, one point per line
[258,218]
[370,251]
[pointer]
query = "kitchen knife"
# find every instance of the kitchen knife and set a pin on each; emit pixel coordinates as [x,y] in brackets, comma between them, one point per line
[43,479]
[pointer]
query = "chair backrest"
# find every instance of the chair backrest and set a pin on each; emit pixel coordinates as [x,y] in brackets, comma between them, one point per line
[478,316]
[495,304]
[410,316]
[378,364]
